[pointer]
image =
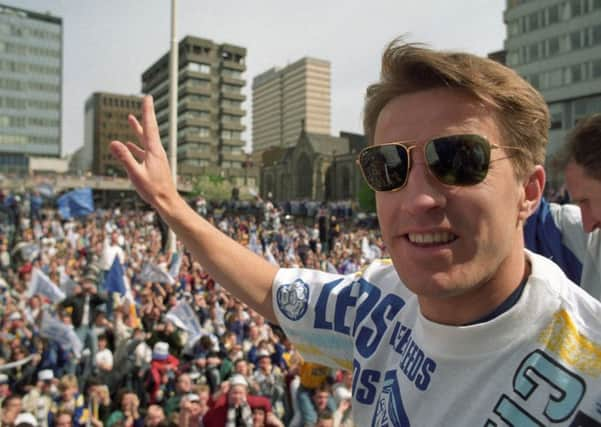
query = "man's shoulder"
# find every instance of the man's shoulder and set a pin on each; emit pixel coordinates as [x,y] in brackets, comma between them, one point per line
[584,309]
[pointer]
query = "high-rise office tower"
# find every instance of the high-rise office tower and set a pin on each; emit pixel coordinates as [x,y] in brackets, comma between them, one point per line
[210,110]
[285,100]
[105,120]
[31,46]
[556,46]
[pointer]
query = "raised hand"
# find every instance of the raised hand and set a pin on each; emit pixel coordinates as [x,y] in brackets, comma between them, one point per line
[147,167]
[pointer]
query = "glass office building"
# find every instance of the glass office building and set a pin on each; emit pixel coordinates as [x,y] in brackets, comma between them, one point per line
[30,87]
[556,46]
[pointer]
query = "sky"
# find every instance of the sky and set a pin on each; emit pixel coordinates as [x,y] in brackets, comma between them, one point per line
[109,43]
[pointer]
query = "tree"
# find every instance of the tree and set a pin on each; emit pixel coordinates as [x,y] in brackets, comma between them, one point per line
[367,198]
[212,187]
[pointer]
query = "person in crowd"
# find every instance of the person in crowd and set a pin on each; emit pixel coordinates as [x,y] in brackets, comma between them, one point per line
[457,144]
[569,234]
[11,407]
[191,411]
[183,387]
[155,417]
[161,378]
[63,419]
[69,399]
[39,400]
[128,412]
[270,382]
[97,402]
[4,388]
[82,306]
[235,407]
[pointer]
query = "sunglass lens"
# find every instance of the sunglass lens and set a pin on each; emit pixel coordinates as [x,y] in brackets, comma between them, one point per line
[459,159]
[384,166]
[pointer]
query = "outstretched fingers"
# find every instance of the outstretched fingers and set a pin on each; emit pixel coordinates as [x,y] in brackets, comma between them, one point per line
[123,153]
[136,127]
[152,140]
[138,152]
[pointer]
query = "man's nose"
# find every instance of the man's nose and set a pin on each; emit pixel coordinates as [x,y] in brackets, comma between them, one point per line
[423,191]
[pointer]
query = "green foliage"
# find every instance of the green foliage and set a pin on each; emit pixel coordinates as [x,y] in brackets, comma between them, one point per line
[367,198]
[212,187]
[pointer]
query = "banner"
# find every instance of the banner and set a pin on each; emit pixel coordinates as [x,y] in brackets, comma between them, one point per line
[28,250]
[114,281]
[45,189]
[42,285]
[12,365]
[153,273]
[269,255]
[76,203]
[185,318]
[67,284]
[254,244]
[56,330]
[176,263]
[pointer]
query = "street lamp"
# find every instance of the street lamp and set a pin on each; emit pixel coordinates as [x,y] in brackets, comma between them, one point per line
[173,81]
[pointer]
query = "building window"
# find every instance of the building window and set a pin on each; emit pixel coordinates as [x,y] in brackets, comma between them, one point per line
[575,7]
[533,52]
[576,73]
[596,69]
[533,22]
[596,36]
[199,67]
[575,41]
[553,14]
[553,46]
[556,78]
[534,81]
[556,121]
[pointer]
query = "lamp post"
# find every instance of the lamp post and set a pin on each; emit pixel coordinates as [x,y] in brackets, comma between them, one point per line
[173,81]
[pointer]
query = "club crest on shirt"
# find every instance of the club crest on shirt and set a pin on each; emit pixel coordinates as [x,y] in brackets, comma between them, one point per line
[389,406]
[293,299]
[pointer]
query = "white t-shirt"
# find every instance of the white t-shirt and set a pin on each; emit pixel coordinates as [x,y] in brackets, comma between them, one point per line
[585,246]
[539,363]
[109,252]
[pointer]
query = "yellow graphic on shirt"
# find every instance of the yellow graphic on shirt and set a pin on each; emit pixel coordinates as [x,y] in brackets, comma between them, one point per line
[562,338]
[383,261]
[316,351]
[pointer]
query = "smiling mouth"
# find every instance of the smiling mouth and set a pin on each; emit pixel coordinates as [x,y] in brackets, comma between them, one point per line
[431,239]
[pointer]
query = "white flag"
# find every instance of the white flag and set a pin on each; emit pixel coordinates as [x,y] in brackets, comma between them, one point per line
[176,263]
[153,273]
[366,250]
[269,255]
[67,284]
[185,318]
[56,330]
[42,285]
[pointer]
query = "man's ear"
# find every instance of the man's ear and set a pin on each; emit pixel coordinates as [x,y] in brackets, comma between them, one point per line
[533,186]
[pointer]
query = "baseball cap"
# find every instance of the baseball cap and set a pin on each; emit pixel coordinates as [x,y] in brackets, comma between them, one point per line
[192,397]
[15,315]
[238,379]
[160,350]
[262,353]
[25,419]
[45,375]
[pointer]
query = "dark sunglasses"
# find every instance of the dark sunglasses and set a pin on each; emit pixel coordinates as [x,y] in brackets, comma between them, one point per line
[460,160]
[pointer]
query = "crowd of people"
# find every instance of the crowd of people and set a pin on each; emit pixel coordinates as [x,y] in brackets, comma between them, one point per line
[136,364]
